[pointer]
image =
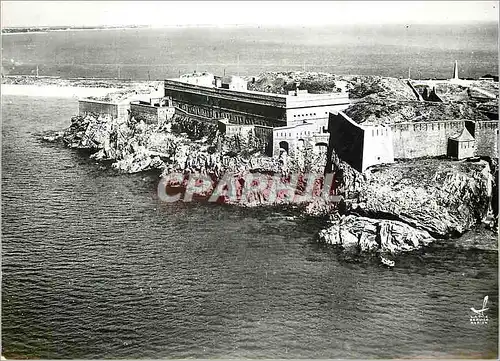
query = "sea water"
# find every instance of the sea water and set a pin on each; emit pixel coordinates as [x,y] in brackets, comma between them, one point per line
[95,266]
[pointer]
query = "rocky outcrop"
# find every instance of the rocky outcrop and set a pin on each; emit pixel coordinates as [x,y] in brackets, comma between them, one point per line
[132,146]
[384,237]
[401,207]
[359,86]
[380,88]
[283,82]
[373,110]
[443,197]
[191,147]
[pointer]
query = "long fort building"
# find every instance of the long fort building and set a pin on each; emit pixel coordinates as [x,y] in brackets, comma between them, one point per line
[253,108]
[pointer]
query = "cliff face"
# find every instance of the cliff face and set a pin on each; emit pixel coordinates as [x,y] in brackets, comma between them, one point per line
[443,197]
[403,206]
[193,148]
[385,237]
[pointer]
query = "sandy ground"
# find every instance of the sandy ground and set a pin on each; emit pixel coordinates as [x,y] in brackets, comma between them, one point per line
[54,91]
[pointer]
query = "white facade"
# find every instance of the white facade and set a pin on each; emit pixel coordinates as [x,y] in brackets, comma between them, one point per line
[378,145]
[294,137]
[307,120]
[237,83]
[305,107]
[201,79]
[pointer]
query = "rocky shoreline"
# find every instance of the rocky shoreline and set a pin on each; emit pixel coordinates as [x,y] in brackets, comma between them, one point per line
[387,210]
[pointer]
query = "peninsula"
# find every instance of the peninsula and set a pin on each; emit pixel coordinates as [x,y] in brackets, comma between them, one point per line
[411,162]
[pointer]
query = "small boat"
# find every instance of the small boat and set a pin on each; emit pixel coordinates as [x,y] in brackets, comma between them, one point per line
[387,262]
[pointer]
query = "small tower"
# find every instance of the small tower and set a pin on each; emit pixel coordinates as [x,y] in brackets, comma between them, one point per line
[455,70]
[297,84]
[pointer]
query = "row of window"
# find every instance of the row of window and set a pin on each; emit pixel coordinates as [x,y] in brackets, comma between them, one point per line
[304,115]
[283,134]
[239,119]
[377,132]
[487,125]
[464,145]
[431,126]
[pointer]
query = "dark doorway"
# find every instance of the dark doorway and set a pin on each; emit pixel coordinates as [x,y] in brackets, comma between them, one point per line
[284,145]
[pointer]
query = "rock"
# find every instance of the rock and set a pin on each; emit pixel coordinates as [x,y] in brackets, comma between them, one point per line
[440,196]
[368,242]
[331,235]
[375,110]
[348,239]
[378,87]
[54,137]
[367,235]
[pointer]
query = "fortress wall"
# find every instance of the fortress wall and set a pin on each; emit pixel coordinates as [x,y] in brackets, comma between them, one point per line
[147,114]
[88,106]
[423,139]
[234,116]
[239,107]
[116,110]
[266,99]
[486,134]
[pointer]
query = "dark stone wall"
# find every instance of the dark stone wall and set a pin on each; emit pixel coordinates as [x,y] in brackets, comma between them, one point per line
[85,107]
[147,114]
[240,108]
[346,141]
[239,111]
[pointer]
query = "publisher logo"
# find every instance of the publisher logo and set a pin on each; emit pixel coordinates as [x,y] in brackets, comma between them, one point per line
[478,317]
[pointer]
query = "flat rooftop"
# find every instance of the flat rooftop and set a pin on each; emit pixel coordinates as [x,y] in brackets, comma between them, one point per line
[282,96]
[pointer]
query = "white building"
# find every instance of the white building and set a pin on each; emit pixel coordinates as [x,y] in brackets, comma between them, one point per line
[307,120]
[361,146]
[231,82]
[291,138]
[201,79]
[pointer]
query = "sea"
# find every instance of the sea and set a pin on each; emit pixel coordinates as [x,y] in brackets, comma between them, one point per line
[95,266]
[428,51]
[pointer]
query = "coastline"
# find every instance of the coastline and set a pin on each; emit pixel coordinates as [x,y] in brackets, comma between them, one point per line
[159,146]
[71,88]
[70,29]
[53,91]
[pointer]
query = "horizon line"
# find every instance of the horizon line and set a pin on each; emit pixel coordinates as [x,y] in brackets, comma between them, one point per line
[156,26]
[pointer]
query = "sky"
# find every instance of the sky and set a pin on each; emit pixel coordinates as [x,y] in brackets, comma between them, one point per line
[171,13]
